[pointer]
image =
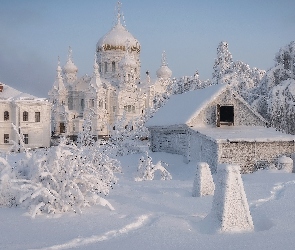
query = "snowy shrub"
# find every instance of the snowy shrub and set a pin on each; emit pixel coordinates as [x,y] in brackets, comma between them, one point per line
[203,182]
[285,163]
[59,179]
[146,169]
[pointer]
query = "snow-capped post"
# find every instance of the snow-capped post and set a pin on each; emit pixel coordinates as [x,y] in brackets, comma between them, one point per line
[230,210]
[203,182]
[285,163]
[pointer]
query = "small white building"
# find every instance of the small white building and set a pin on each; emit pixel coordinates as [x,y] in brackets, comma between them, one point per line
[30,115]
[215,125]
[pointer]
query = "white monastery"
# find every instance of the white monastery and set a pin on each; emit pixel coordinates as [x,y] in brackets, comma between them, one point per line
[30,116]
[114,90]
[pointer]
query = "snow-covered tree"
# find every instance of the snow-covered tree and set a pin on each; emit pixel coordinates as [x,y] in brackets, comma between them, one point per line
[59,179]
[223,64]
[274,97]
[146,169]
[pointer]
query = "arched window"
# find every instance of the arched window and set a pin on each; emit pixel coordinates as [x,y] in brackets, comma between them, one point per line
[113,66]
[25,116]
[99,67]
[6,115]
[100,103]
[105,67]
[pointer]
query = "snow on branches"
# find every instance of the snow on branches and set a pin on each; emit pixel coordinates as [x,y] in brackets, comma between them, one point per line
[146,169]
[58,179]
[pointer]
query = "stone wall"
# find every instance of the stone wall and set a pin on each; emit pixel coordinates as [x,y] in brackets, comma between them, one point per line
[253,155]
[173,141]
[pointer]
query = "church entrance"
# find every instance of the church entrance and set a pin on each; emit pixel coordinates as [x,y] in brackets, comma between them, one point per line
[225,115]
[62,128]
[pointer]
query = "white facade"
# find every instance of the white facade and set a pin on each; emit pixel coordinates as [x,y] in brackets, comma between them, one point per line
[30,115]
[113,91]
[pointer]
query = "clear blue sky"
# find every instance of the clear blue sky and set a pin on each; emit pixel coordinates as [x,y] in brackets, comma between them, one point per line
[33,33]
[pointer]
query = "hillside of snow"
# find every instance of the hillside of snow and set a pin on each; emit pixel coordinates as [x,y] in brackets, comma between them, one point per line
[159,215]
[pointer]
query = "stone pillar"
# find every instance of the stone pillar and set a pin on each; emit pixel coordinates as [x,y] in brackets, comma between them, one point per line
[203,182]
[230,210]
[285,163]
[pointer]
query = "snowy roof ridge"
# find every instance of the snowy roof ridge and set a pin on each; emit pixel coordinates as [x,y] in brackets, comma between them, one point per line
[181,108]
[9,93]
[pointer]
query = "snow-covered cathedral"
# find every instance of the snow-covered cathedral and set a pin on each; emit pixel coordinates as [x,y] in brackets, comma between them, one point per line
[113,92]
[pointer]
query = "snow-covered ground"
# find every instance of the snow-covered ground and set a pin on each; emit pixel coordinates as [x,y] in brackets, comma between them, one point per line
[159,215]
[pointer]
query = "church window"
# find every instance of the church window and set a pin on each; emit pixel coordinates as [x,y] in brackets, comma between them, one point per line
[25,116]
[129,77]
[99,67]
[100,103]
[129,108]
[6,115]
[26,138]
[74,128]
[92,103]
[6,138]
[105,67]
[114,128]
[82,104]
[113,66]
[37,117]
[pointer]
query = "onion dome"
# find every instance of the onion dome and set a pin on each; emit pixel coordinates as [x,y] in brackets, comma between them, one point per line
[70,67]
[117,38]
[164,71]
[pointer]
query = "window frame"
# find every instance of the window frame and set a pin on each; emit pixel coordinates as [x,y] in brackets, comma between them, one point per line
[6,138]
[26,138]
[25,116]
[6,115]
[37,116]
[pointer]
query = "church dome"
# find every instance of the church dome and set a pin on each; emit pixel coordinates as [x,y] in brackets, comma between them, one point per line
[70,67]
[164,72]
[116,39]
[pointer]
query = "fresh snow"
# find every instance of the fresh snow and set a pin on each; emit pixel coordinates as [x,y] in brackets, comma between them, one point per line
[159,215]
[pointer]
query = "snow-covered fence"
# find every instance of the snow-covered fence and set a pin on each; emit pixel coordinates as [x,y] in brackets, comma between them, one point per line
[203,182]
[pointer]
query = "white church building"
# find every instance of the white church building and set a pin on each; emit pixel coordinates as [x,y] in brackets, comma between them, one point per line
[114,90]
[30,116]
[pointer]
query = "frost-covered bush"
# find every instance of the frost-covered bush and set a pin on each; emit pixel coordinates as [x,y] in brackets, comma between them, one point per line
[203,181]
[146,169]
[58,179]
[285,163]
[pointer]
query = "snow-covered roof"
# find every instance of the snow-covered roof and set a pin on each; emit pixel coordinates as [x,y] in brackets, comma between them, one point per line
[9,93]
[179,109]
[243,133]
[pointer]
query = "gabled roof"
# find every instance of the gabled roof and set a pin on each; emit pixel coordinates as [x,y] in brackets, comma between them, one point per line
[179,109]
